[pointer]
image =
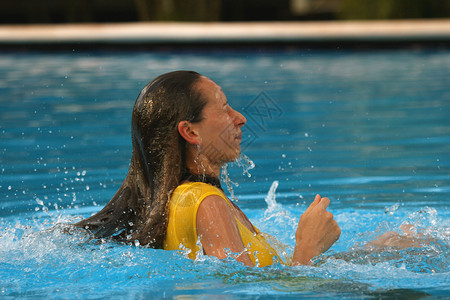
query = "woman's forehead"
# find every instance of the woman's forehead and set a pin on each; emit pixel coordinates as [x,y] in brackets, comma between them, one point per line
[210,89]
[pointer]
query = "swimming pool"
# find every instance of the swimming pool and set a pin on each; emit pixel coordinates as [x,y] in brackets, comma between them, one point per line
[370,130]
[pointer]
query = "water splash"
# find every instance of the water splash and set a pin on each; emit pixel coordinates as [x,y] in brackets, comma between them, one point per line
[276,216]
[271,197]
[242,161]
[416,243]
[276,211]
[107,267]
[246,163]
[225,177]
[392,209]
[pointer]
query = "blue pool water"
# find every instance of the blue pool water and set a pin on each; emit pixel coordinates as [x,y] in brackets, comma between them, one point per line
[370,130]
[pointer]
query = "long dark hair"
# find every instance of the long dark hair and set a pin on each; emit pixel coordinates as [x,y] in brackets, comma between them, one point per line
[138,211]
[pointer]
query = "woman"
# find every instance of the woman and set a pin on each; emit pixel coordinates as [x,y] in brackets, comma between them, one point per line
[183,131]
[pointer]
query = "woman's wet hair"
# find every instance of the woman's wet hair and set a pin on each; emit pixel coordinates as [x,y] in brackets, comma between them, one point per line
[138,211]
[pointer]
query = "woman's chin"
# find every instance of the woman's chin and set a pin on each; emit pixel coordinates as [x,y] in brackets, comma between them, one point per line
[237,154]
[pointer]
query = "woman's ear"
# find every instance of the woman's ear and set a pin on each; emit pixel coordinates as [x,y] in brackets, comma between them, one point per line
[188,133]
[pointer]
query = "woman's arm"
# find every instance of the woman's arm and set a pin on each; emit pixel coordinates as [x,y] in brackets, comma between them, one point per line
[218,229]
[316,232]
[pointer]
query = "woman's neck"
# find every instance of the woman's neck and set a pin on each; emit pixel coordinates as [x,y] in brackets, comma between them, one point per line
[198,164]
[190,177]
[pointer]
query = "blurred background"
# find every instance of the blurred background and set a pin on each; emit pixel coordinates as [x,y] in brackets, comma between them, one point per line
[98,11]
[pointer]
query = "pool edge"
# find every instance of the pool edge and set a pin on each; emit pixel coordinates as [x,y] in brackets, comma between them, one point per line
[301,34]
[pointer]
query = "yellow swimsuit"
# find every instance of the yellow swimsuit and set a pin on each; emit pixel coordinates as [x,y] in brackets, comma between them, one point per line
[182,226]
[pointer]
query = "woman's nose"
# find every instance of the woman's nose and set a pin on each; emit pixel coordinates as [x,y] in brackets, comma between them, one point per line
[239,119]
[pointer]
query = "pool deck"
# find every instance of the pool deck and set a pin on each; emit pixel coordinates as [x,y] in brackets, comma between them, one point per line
[329,32]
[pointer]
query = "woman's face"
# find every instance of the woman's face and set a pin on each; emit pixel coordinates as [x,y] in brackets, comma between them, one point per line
[220,128]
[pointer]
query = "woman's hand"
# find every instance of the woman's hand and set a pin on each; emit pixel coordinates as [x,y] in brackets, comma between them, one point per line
[316,232]
[393,240]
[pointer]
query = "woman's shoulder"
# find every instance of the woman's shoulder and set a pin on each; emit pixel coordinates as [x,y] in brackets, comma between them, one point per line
[193,193]
[198,189]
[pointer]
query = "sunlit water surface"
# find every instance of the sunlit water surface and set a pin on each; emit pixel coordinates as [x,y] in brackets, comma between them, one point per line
[369,130]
